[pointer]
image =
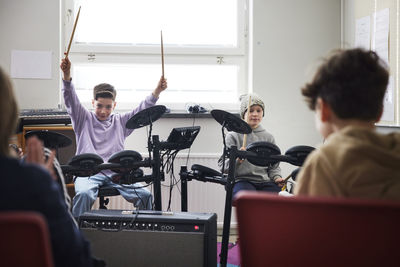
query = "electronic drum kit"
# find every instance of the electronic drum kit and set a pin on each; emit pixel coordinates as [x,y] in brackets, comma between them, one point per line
[260,153]
[127,164]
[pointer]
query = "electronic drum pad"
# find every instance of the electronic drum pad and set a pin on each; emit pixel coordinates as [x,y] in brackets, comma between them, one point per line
[146,117]
[231,122]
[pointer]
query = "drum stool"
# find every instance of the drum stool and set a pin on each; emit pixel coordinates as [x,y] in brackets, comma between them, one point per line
[106,192]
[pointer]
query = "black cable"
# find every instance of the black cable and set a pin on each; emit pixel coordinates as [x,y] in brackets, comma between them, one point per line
[105,175]
[141,200]
[225,148]
[149,144]
[169,164]
[126,186]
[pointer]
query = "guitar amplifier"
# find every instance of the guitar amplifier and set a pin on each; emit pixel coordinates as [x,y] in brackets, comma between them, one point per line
[151,238]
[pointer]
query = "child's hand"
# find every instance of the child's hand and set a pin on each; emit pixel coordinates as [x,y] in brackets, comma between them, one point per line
[162,85]
[65,66]
[280,181]
[239,159]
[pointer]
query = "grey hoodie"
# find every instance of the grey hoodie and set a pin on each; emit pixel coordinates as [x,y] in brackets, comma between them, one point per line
[246,170]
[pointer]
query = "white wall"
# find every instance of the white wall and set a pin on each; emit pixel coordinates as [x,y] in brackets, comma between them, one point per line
[32,25]
[289,37]
[348,23]
[350,7]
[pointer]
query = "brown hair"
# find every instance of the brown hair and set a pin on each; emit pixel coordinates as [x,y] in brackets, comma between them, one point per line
[353,82]
[8,112]
[104,90]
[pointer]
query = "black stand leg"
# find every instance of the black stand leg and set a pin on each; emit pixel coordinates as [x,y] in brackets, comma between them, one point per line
[228,207]
[157,173]
[184,193]
[103,202]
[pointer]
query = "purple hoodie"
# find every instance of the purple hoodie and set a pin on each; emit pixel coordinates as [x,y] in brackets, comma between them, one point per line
[103,138]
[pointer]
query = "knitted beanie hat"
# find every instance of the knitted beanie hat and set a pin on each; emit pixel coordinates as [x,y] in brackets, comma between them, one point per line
[244,102]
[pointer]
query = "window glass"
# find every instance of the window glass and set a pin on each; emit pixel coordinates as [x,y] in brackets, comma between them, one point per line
[185,22]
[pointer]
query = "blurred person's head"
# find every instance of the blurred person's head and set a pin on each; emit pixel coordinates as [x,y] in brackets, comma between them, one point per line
[8,112]
[347,89]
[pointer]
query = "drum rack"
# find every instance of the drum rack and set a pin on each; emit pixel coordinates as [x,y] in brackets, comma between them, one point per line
[89,167]
[93,165]
[205,176]
[258,153]
[227,180]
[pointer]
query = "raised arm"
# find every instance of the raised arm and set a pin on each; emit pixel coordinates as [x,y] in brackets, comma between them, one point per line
[161,86]
[74,107]
[149,101]
[66,69]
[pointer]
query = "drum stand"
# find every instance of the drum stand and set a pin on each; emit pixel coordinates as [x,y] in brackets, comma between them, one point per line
[143,118]
[234,153]
[147,117]
[157,175]
[186,176]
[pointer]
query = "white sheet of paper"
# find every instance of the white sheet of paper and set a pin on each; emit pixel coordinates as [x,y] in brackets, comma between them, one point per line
[27,64]
[380,42]
[363,32]
[388,103]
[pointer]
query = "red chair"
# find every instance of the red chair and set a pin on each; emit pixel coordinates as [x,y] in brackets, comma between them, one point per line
[24,240]
[300,231]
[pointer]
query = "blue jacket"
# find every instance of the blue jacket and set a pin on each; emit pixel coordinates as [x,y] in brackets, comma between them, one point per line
[29,187]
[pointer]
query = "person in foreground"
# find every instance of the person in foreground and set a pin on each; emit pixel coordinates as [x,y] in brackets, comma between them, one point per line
[347,95]
[247,175]
[103,133]
[28,186]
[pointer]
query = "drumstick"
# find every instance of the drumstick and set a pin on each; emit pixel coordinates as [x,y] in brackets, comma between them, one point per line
[285,181]
[73,32]
[162,56]
[287,178]
[247,120]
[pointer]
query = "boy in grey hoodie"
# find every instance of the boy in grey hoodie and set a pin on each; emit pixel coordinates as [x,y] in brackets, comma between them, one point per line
[247,175]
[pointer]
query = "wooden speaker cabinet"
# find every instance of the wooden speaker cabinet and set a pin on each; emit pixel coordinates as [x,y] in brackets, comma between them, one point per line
[64,153]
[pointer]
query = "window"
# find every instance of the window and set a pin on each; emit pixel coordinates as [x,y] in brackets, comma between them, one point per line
[118,42]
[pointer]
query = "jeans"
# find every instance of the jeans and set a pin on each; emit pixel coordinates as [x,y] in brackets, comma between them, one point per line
[255,186]
[87,188]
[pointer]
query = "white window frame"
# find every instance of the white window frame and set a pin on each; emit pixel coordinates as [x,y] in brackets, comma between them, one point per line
[113,53]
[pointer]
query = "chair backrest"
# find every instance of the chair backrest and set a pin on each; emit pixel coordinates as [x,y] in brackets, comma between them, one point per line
[24,240]
[300,231]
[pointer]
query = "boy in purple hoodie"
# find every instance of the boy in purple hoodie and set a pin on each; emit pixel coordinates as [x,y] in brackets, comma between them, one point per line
[103,133]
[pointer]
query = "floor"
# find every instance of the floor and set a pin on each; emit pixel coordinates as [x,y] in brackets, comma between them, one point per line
[232,238]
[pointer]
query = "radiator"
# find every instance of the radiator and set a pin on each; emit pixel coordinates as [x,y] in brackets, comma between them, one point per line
[202,197]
